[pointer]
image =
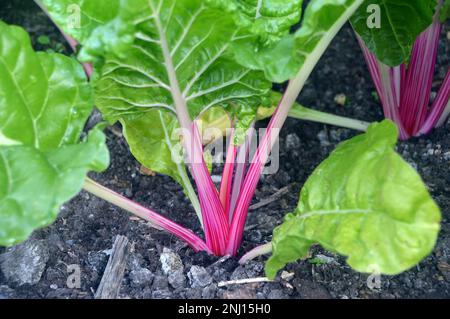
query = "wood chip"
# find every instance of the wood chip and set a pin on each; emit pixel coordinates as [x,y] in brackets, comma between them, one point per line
[271,199]
[115,269]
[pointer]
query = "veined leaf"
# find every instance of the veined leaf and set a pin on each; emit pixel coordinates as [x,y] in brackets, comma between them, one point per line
[282,60]
[36,88]
[45,100]
[34,183]
[376,211]
[401,22]
[198,38]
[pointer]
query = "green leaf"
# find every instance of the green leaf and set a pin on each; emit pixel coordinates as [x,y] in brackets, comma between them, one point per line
[34,183]
[101,26]
[264,34]
[283,59]
[364,202]
[154,132]
[401,22]
[268,19]
[198,38]
[36,88]
[45,100]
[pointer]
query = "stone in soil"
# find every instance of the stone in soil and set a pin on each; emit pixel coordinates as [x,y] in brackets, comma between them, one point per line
[141,277]
[25,263]
[199,277]
[170,262]
[177,279]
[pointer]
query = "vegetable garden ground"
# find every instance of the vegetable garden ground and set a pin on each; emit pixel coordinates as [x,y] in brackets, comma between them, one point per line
[85,230]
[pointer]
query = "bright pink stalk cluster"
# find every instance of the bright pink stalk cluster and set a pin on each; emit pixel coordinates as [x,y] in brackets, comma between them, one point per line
[405,90]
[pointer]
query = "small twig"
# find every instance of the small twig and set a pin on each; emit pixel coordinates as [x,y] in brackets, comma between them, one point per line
[115,269]
[244,281]
[271,198]
[221,260]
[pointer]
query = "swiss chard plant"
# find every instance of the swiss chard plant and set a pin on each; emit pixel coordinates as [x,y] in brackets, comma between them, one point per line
[401,54]
[165,68]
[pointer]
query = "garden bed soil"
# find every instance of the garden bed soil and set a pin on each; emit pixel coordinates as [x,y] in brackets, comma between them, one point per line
[87,226]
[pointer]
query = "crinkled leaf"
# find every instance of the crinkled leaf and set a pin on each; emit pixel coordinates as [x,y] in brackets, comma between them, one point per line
[364,202]
[264,34]
[283,59]
[268,19]
[401,22]
[45,100]
[101,26]
[198,38]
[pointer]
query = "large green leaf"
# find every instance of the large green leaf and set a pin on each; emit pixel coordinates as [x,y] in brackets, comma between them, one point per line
[364,202]
[45,100]
[101,26]
[198,39]
[401,21]
[283,59]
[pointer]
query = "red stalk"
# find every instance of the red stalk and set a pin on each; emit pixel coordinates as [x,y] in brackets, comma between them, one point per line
[155,219]
[214,218]
[242,159]
[388,85]
[437,114]
[256,168]
[227,175]
[419,79]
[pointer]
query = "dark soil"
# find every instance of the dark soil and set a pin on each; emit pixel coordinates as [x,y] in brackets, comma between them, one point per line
[86,228]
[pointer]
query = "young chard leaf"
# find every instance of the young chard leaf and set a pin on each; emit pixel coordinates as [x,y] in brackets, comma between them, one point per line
[101,26]
[270,20]
[198,39]
[281,60]
[45,100]
[376,211]
[400,23]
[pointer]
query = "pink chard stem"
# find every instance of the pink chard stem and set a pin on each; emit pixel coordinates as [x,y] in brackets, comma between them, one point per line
[243,154]
[227,175]
[419,79]
[388,84]
[440,109]
[213,214]
[153,218]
